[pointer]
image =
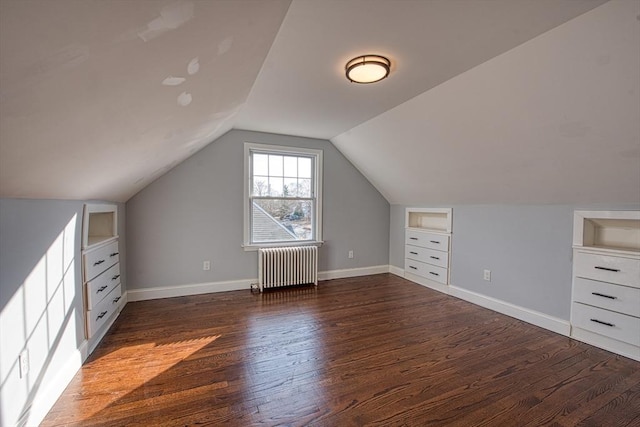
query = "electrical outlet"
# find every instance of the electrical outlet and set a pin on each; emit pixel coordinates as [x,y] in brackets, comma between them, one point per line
[487,275]
[206,265]
[23,358]
[350,254]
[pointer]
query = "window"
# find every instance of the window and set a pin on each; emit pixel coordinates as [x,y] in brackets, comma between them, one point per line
[283,196]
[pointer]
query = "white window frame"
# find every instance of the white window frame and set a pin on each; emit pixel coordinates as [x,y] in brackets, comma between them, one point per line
[316,155]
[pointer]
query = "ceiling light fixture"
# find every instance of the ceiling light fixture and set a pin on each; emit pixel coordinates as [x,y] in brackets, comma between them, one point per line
[367,69]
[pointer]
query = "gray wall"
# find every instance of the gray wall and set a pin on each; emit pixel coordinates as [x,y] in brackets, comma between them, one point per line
[195,213]
[527,248]
[40,297]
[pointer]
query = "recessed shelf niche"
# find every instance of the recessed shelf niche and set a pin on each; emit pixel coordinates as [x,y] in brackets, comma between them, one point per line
[432,219]
[607,230]
[100,224]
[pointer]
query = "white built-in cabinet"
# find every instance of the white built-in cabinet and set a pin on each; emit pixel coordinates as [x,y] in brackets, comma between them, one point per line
[605,307]
[100,267]
[427,246]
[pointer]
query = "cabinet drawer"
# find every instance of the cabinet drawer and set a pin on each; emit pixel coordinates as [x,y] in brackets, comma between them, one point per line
[423,239]
[618,298]
[100,286]
[431,272]
[98,260]
[606,268]
[608,323]
[103,311]
[430,256]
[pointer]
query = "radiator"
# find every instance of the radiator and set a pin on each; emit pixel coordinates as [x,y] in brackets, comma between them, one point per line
[287,266]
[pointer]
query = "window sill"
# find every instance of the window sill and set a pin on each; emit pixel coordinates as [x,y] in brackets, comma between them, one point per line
[254,247]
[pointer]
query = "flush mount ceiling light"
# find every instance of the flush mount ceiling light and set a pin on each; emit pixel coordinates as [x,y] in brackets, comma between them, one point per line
[367,69]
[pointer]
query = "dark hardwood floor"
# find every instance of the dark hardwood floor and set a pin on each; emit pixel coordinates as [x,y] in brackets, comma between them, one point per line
[374,350]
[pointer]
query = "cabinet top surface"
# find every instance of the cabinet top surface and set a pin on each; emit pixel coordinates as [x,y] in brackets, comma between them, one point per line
[96,242]
[623,252]
[427,230]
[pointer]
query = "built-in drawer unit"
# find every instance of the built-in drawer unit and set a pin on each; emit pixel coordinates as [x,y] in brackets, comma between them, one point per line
[431,256]
[99,259]
[101,285]
[424,239]
[605,309]
[100,268]
[621,299]
[104,310]
[428,271]
[605,322]
[607,268]
[427,244]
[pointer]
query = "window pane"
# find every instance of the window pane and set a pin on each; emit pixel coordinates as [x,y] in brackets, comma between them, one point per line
[290,166]
[260,164]
[304,167]
[290,187]
[275,165]
[260,186]
[304,188]
[275,187]
[281,220]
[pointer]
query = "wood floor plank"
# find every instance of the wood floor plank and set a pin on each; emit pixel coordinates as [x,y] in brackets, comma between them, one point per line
[374,350]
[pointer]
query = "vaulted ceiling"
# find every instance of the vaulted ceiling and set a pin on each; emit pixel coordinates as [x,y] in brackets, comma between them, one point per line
[488,101]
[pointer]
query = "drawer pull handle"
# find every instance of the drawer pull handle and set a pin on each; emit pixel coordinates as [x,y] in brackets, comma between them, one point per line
[435,241]
[102,289]
[101,315]
[435,274]
[603,323]
[115,300]
[114,254]
[598,294]
[413,253]
[115,277]
[615,270]
[413,238]
[98,262]
[434,257]
[411,266]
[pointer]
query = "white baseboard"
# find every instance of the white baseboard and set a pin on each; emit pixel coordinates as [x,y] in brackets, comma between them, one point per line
[426,282]
[236,285]
[47,397]
[184,290]
[396,270]
[537,318]
[352,272]
[606,343]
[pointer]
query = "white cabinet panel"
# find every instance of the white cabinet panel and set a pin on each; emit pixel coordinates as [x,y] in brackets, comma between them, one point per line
[605,322]
[101,285]
[428,271]
[607,268]
[99,259]
[622,299]
[431,256]
[105,309]
[428,240]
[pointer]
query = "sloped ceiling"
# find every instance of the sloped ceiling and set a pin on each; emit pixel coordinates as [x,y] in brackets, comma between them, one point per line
[556,120]
[99,98]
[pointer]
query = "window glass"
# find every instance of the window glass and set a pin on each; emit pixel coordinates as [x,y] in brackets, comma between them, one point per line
[282,204]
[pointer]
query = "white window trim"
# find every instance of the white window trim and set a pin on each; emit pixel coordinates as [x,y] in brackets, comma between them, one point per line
[281,149]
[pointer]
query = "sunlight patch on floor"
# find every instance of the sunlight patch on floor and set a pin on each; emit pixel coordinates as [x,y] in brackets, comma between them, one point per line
[152,360]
